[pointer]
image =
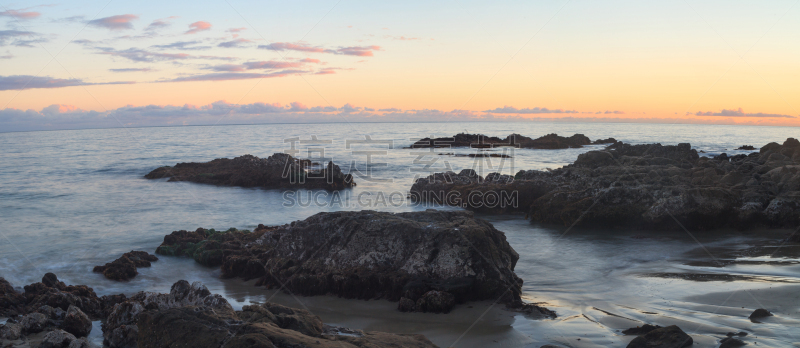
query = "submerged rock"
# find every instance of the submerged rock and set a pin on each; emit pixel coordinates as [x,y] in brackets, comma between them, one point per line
[190,316]
[641,186]
[665,337]
[434,259]
[277,171]
[730,342]
[640,330]
[124,268]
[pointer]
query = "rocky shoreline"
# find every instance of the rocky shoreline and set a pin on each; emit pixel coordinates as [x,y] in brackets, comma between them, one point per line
[642,186]
[277,171]
[426,261]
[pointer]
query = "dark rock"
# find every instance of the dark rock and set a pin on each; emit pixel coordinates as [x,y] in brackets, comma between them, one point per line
[605,141]
[730,342]
[406,305]
[368,255]
[11,302]
[77,323]
[124,268]
[760,313]
[535,311]
[640,330]
[746,147]
[57,339]
[190,316]
[10,331]
[641,186]
[33,323]
[550,141]
[277,171]
[665,337]
[436,302]
[740,334]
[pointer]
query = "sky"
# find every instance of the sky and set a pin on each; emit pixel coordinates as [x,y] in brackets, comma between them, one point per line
[97,64]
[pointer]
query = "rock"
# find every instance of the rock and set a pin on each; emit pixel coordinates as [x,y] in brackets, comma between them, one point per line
[746,147]
[57,339]
[550,141]
[79,343]
[740,334]
[760,313]
[406,305]
[77,323]
[730,342]
[436,302]
[210,247]
[640,330]
[665,337]
[535,311]
[10,331]
[370,255]
[277,171]
[11,301]
[124,268]
[190,316]
[33,323]
[648,186]
[53,313]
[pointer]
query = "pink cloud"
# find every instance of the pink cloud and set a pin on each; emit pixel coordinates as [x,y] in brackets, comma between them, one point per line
[310,60]
[198,26]
[363,51]
[20,14]
[118,22]
[325,72]
[283,46]
[272,65]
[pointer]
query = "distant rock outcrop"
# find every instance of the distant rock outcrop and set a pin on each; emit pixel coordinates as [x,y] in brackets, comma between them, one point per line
[277,171]
[124,268]
[550,141]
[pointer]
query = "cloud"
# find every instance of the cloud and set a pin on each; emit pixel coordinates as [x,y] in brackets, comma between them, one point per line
[118,22]
[7,56]
[402,38]
[160,24]
[198,26]
[20,14]
[513,110]
[131,70]
[237,43]
[140,55]
[391,110]
[20,82]
[226,76]
[362,51]
[740,113]
[271,64]
[183,45]
[326,71]
[235,31]
[19,38]
[310,60]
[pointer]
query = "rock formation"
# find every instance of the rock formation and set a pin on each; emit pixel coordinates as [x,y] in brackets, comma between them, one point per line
[643,186]
[429,261]
[550,141]
[190,316]
[124,268]
[665,337]
[277,171]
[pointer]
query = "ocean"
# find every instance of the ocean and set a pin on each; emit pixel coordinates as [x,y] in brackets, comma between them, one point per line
[73,199]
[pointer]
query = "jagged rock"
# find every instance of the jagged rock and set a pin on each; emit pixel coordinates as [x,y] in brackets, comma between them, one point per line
[642,186]
[277,171]
[210,247]
[640,330]
[10,331]
[730,342]
[77,323]
[190,316]
[79,343]
[665,337]
[53,313]
[56,294]
[124,268]
[11,302]
[57,339]
[33,323]
[746,147]
[760,313]
[436,302]
[535,311]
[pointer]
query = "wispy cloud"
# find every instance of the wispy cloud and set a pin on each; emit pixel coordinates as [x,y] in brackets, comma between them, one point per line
[237,43]
[183,45]
[20,14]
[19,38]
[226,76]
[160,24]
[19,82]
[740,113]
[198,26]
[537,110]
[131,70]
[118,22]
[235,31]
[140,55]
[363,51]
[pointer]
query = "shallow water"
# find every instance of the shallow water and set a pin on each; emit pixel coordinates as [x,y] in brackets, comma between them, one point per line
[71,200]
